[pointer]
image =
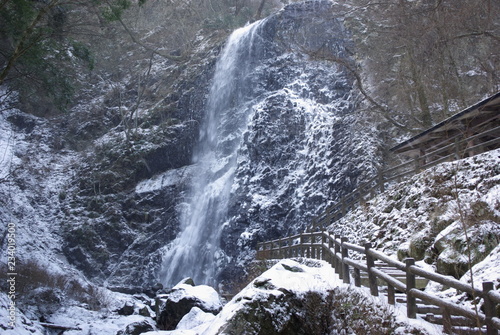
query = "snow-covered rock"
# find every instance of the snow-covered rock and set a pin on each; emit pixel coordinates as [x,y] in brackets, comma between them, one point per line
[300,297]
[175,305]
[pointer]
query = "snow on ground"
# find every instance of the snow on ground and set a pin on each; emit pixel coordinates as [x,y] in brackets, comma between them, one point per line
[23,325]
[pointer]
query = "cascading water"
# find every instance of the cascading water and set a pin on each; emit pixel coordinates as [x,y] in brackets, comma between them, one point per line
[195,251]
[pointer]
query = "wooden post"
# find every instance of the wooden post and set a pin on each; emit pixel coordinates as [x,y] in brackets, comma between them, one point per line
[313,251]
[381,183]
[457,149]
[489,308]
[323,242]
[330,246]
[301,245]
[362,200]
[357,277]
[342,207]
[417,164]
[338,264]
[280,252]
[411,306]
[345,254]
[391,297]
[447,322]
[370,263]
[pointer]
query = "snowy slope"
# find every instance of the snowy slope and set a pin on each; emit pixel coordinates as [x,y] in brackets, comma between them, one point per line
[444,217]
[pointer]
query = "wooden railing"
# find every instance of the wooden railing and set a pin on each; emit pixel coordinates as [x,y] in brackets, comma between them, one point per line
[354,263]
[459,148]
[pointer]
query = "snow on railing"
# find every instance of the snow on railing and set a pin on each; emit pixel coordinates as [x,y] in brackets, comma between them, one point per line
[393,276]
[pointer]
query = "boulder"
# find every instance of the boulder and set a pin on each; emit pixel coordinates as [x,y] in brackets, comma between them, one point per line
[173,306]
[136,328]
[126,309]
[418,244]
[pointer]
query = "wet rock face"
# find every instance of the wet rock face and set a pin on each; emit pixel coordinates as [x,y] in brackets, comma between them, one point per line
[302,147]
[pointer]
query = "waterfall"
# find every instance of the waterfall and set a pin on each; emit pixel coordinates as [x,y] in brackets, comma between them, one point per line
[195,251]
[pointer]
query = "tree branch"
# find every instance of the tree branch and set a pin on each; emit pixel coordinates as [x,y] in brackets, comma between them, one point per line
[385,111]
[21,48]
[154,51]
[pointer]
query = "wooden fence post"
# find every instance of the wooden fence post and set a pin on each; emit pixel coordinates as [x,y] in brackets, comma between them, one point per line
[313,251]
[330,246]
[489,308]
[338,264]
[381,183]
[411,306]
[447,327]
[357,277]
[362,200]
[280,252]
[301,248]
[323,242]
[370,263]
[457,149]
[391,294]
[345,254]
[417,164]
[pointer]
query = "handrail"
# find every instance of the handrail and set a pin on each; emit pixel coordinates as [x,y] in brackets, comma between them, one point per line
[449,152]
[335,250]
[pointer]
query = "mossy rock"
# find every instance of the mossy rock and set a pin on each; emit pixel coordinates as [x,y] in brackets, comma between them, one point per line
[418,244]
[403,251]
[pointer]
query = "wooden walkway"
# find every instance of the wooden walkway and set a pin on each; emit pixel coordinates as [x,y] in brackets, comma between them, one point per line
[401,282]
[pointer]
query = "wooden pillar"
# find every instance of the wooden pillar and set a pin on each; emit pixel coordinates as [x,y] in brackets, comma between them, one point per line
[313,251]
[447,329]
[330,247]
[280,251]
[489,308]
[357,277]
[323,242]
[411,306]
[418,164]
[362,200]
[457,149]
[338,263]
[345,269]
[391,296]
[381,183]
[301,247]
[370,263]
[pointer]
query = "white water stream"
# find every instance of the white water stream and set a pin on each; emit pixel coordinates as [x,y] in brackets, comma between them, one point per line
[195,252]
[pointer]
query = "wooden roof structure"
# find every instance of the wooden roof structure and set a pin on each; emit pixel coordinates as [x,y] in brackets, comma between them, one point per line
[477,126]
